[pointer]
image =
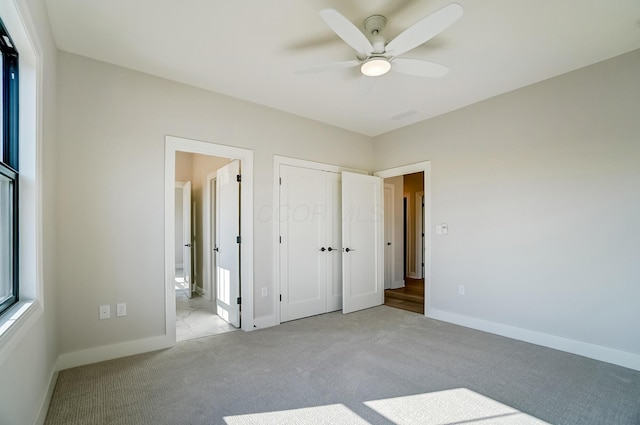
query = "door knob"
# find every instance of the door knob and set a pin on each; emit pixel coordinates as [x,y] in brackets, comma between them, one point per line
[323,249]
[216,249]
[388,243]
[188,245]
[332,249]
[349,249]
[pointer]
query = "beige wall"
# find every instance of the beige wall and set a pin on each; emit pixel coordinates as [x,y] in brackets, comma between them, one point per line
[113,124]
[184,165]
[539,188]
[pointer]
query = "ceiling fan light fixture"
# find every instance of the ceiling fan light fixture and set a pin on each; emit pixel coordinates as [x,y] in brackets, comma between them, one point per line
[375,67]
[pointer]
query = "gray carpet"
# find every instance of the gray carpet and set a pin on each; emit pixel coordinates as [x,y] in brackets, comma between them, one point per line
[378,366]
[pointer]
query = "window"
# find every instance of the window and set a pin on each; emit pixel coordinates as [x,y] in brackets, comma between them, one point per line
[8,171]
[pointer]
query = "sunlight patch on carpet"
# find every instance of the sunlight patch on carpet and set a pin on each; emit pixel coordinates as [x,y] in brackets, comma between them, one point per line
[332,414]
[457,406]
[448,407]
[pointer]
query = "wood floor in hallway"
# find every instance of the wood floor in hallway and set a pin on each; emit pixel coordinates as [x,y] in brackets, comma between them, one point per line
[410,298]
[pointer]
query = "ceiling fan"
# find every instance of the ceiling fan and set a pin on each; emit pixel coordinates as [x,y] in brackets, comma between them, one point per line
[376,56]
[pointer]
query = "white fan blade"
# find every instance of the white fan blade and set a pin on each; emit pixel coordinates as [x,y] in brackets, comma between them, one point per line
[328,67]
[419,68]
[347,31]
[424,29]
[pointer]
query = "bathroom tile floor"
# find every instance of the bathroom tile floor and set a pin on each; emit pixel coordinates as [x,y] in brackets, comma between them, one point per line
[197,318]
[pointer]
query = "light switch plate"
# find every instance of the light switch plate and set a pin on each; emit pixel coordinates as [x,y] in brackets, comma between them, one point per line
[105,311]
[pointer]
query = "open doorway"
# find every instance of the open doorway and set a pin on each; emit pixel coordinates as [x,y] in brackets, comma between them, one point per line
[201,307]
[205,280]
[406,237]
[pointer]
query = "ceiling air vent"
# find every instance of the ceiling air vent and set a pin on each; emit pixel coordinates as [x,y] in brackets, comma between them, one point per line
[403,115]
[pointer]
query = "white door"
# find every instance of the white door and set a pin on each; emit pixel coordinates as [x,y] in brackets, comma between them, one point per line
[333,239]
[362,242]
[212,239]
[227,244]
[302,231]
[388,234]
[186,237]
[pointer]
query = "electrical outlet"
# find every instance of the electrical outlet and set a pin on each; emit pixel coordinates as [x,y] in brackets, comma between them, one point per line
[264,292]
[461,290]
[121,309]
[105,311]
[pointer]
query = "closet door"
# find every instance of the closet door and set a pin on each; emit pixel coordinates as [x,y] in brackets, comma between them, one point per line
[362,242]
[333,238]
[303,217]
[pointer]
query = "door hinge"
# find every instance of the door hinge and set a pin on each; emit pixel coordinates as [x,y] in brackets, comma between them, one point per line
[280,239]
[238,178]
[239,300]
[280,181]
[237,239]
[280,297]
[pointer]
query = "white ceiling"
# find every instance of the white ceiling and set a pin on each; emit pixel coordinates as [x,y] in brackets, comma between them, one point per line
[250,49]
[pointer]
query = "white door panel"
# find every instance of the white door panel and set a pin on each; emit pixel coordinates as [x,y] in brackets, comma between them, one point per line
[186,238]
[362,236]
[333,239]
[228,248]
[388,236]
[302,223]
[212,239]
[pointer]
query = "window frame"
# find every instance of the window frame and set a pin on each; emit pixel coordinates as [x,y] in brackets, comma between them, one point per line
[9,161]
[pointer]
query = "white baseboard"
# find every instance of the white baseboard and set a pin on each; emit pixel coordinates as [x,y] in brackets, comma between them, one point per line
[397,284]
[264,322]
[110,352]
[44,406]
[597,352]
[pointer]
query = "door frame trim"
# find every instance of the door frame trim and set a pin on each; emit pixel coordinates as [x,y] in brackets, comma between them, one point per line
[245,156]
[425,167]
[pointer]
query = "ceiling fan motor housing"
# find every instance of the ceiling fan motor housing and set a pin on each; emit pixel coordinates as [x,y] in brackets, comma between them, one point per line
[374,25]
